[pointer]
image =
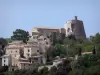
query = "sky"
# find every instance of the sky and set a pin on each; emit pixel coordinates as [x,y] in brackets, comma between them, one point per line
[25,14]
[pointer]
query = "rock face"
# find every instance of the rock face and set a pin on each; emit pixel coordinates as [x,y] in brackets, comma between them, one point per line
[75,27]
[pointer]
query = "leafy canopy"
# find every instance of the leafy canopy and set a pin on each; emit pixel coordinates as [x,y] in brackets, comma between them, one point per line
[20,34]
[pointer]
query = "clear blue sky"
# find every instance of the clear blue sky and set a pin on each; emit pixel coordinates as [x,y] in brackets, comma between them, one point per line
[25,14]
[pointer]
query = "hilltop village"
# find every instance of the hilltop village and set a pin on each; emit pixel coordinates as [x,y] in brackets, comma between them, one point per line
[47,47]
[17,53]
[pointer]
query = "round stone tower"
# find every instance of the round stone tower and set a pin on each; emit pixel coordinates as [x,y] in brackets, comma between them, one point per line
[76,28]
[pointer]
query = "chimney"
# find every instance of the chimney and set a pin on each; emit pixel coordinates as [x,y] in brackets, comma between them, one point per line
[75,17]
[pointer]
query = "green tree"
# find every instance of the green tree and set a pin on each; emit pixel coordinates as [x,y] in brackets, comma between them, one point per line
[93,70]
[64,68]
[3,69]
[44,71]
[53,71]
[96,39]
[20,34]
[59,50]
[80,52]
[35,71]
[93,51]
[3,43]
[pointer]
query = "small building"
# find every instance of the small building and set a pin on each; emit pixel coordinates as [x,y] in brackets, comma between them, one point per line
[15,48]
[29,50]
[24,64]
[6,60]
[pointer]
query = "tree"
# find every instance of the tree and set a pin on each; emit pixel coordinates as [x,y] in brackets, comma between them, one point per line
[80,52]
[96,39]
[3,69]
[59,50]
[53,71]
[44,71]
[20,34]
[35,71]
[93,70]
[3,43]
[93,51]
[64,68]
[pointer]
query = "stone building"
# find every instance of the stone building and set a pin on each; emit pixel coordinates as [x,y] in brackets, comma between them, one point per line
[6,60]
[22,55]
[18,53]
[48,32]
[75,27]
[30,50]
[15,48]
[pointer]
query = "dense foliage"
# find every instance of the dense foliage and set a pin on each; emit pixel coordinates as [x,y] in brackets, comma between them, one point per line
[20,34]
[3,69]
[3,43]
[89,64]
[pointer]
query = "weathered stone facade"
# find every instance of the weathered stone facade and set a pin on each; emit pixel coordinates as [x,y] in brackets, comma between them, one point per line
[75,27]
[41,38]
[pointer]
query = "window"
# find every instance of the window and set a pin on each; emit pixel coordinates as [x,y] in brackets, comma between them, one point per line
[37,50]
[11,51]
[16,51]
[28,50]
[47,43]
[44,38]
[4,60]
[47,36]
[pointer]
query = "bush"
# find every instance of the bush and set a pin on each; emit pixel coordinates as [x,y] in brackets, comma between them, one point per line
[3,69]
